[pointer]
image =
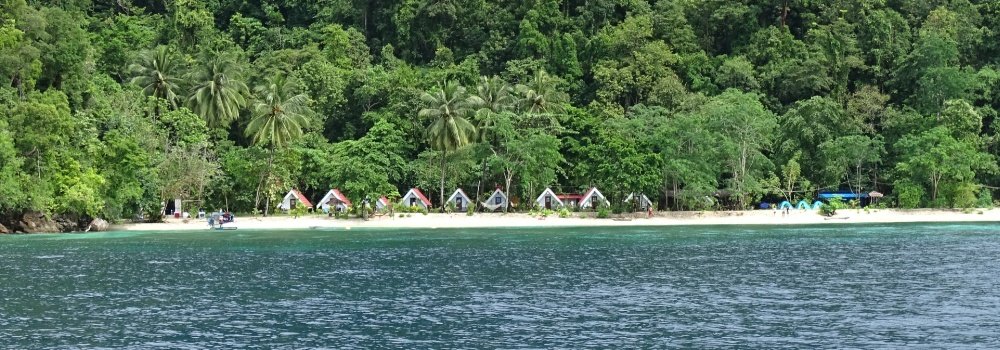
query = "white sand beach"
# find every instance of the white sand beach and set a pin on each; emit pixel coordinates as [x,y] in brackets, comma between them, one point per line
[480,220]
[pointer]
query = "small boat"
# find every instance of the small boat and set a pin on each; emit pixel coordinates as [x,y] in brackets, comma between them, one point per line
[221,222]
[224,227]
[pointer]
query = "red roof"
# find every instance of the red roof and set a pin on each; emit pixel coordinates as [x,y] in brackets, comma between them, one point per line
[340,196]
[383,200]
[421,196]
[302,198]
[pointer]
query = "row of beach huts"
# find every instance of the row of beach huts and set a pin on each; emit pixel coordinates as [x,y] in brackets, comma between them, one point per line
[335,200]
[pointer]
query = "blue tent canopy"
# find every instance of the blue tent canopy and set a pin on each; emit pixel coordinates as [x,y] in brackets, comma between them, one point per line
[804,205]
[842,195]
[785,204]
[817,205]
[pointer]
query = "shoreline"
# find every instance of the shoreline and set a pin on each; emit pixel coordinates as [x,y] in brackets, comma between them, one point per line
[523,220]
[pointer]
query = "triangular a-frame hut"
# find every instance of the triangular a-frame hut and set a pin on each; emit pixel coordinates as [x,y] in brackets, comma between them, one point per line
[460,199]
[415,198]
[644,202]
[593,196]
[293,199]
[548,200]
[335,199]
[497,200]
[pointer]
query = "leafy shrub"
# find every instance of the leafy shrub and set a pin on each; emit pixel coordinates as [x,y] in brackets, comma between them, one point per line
[401,215]
[984,199]
[449,207]
[424,210]
[470,210]
[563,212]
[965,197]
[909,194]
[298,211]
[603,213]
[830,209]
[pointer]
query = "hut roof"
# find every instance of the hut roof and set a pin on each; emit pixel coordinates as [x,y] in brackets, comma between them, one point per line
[298,195]
[416,192]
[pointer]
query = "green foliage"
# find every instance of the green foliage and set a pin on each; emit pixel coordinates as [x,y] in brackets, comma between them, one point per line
[909,194]
[830,208]
[564,213]
[298,211]
[107,110]
[603,212]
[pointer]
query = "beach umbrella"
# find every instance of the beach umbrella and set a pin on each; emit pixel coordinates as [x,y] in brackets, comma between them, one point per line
[875,195]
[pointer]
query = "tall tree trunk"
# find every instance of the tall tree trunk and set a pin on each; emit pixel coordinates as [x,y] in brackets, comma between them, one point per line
[267,179]
[444,155]
[508,178]
[479,185]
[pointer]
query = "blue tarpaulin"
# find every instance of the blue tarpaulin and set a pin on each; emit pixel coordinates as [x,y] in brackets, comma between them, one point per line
[842,195]
[785,204]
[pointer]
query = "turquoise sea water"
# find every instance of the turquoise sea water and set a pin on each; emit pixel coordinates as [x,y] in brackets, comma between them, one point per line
[882,286]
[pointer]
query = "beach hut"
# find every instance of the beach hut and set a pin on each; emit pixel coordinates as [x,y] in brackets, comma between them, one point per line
[381,203]
[460,199]
[415,198]
[593,198]
[549,200]
[644,202]
[293,199]
[334,198]
[497,200]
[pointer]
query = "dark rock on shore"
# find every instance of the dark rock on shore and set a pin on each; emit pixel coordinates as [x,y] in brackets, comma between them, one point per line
[34,222]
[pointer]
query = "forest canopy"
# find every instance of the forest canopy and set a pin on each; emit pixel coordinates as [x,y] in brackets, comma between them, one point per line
[110,108]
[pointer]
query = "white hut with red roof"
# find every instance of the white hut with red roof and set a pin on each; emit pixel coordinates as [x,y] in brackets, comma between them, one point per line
[293,199]
[381,203]
[334,198]
[416,198]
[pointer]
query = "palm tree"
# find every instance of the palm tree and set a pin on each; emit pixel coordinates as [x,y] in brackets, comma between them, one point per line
[278,118]
[493,95]
[218,93]
[449,130]
[541,95]
[158,73]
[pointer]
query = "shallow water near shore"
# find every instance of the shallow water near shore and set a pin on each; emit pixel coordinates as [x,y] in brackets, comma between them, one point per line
[854,286]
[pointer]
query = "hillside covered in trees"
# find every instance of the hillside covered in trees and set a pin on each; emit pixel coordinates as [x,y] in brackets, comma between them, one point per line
[108,108]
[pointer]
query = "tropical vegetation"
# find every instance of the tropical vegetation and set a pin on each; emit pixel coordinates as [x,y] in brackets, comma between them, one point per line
[111,108]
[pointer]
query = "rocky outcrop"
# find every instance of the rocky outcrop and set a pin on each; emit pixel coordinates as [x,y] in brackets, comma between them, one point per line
[34,222]
[3,230]
[98,225]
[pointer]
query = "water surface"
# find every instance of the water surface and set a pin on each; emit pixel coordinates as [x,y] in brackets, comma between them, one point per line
[881,286]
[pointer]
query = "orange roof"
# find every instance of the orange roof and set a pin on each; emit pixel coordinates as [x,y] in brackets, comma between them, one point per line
[302,198]
[421,195]
[340,196]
